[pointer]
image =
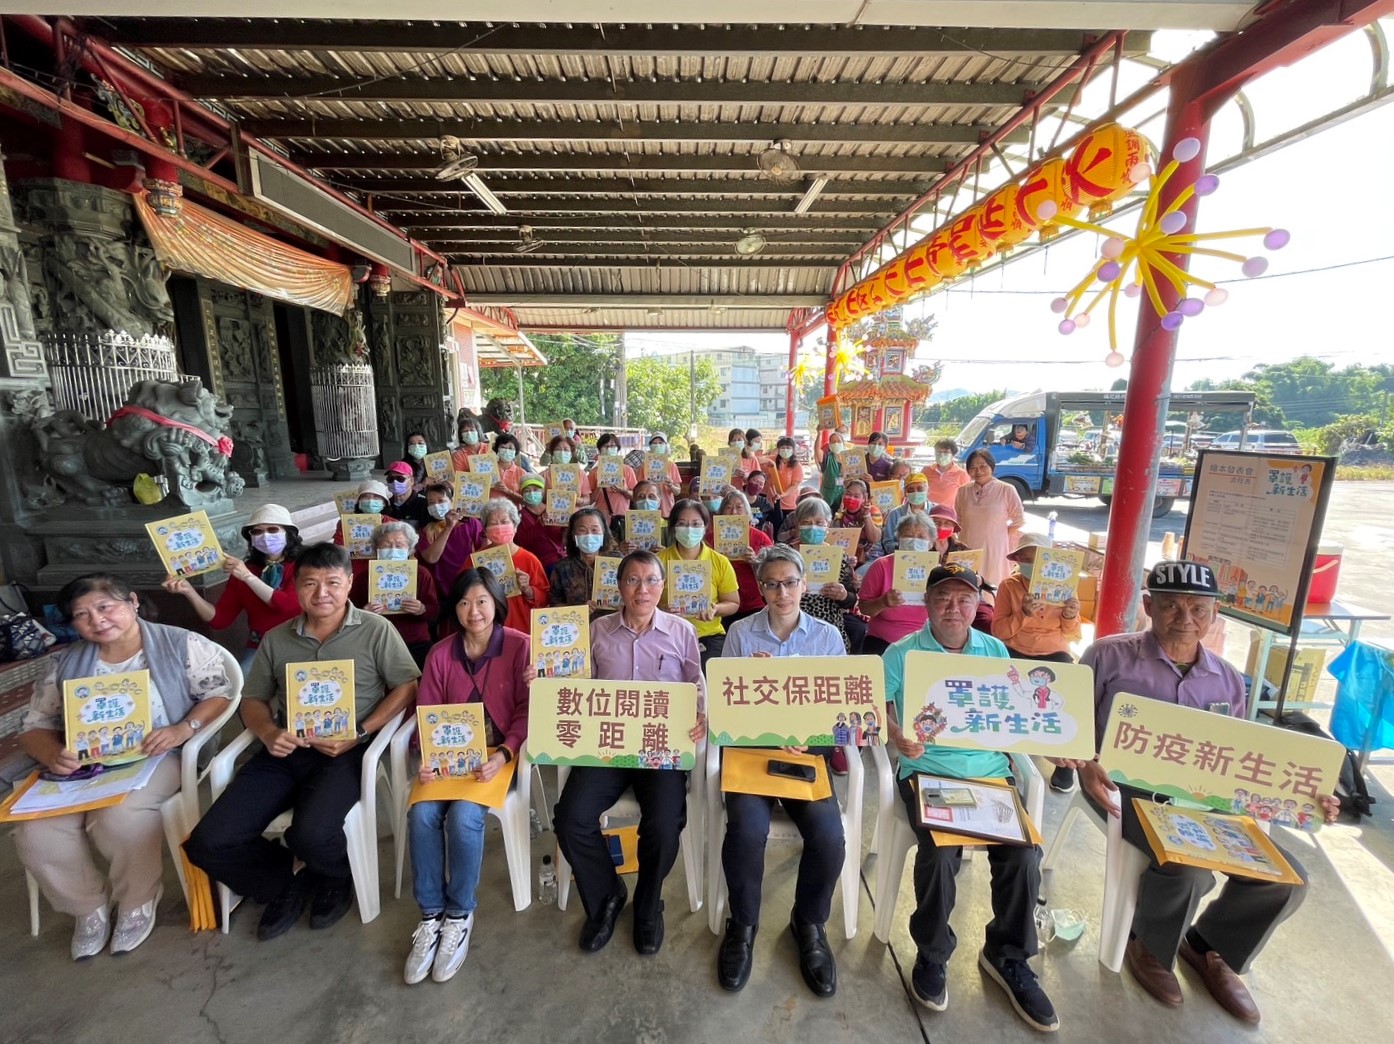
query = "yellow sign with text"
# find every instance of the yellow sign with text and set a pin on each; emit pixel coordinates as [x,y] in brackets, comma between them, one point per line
[799,701]
[612,724]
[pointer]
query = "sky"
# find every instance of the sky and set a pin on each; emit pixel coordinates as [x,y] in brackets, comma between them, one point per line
[1329,190]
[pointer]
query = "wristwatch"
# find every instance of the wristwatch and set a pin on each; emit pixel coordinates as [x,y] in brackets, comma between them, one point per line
[193,724]
[362,735]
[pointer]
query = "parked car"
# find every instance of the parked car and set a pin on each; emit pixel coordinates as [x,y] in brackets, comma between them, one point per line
[1259,440]
[1201,439]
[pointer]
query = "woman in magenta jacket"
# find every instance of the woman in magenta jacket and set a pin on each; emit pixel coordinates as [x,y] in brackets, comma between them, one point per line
[483,664]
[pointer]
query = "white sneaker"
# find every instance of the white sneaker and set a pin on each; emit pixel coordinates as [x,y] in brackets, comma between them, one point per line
[454,947]
[91,933]
[133,927]
[423,949]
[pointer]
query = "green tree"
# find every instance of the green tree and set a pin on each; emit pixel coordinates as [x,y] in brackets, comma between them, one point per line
[569,385]
[1267,414]
[966,407]
[661,393]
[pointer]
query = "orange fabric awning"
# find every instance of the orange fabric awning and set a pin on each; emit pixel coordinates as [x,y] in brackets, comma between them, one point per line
[203,243]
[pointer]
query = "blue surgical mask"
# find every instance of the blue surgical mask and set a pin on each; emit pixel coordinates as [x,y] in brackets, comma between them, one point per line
[737,444]
[612,451]
[689,536]
[399,486]
[589,543]
[439,509]
[917,498]
[659,449]
[370,506]
[646,504]
[812,534]
[785,452]
[1025,569]
[393,554]
[876,452]
[416,450]
[471,438]
[562,456]
[714,505]
[532,497]
[507,455]
[916,543]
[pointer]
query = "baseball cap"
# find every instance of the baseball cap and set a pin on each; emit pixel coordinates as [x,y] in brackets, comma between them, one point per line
[531,480]
[956,572]
[401,467]
[1183,577]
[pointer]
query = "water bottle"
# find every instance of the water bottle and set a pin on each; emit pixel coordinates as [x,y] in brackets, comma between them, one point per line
[1045,924]
[547,882]
[1050,527]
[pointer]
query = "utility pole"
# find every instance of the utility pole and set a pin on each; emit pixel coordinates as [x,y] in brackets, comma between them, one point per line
[621,419]
[692,394]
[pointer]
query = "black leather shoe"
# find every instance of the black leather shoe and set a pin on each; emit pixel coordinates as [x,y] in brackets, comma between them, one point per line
[332,900]
[282,912]
[648,935]
[597,930]
[735,957]
[815,958]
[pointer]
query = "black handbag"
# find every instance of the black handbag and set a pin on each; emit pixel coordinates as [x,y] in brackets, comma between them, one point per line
[21,636]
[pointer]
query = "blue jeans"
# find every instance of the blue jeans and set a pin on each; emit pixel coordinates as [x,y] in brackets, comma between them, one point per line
[439,829]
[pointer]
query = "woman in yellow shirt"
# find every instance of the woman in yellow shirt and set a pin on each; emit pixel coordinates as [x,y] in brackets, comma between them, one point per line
[689,522]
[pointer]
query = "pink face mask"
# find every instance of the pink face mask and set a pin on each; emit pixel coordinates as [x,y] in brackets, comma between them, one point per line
[502,534]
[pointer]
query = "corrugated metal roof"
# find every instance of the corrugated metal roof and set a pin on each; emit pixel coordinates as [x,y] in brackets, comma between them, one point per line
[605,163]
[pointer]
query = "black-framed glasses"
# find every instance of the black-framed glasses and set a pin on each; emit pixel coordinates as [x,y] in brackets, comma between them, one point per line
[773,586]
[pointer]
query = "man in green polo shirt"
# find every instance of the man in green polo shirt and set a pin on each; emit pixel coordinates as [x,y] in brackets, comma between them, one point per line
[951,599]
[319,779]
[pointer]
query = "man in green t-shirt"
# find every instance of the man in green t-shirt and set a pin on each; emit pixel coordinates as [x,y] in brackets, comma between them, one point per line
[951,600]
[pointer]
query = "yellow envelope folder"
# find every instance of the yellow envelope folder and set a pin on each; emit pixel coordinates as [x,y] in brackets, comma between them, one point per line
[491,794]
[746,770]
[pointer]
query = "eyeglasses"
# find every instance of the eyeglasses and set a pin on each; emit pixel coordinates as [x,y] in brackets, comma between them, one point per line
[773,586]
[651,582]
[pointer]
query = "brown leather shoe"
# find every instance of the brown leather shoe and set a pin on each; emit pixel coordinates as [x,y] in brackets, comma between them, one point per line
[1224,984]
[1152,975]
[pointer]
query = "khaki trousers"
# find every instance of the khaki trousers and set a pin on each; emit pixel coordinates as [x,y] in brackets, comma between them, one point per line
[130,836]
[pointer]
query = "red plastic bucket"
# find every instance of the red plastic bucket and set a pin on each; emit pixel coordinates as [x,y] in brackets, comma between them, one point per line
[1326,573]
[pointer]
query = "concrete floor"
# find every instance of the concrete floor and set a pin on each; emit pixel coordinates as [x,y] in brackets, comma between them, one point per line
[525,979]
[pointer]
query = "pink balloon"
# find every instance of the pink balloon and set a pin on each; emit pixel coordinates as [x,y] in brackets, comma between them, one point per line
[1059,305]
[1191,307]
[1254,267]
[1067,326]
[1172,223]
[1206,184]
[1217,297]
[1172,321]
[1047,210]
[1112,248]
[1186,150]
[1277,239]
[1132,290]
[1140,172]
[1109,271]
[1113,359]
[1081,320]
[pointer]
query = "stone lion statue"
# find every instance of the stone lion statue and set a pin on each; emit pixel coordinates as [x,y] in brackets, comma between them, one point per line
[172,430]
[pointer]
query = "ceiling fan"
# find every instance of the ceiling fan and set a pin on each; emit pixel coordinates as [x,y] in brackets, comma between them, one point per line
[777,163]
[750,243]
[527,240]
[456,162]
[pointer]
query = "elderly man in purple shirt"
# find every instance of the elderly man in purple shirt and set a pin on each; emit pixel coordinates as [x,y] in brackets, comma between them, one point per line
[638,643]
[1169,663]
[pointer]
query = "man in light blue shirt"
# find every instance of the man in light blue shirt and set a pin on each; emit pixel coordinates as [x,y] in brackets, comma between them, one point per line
[951,599]
[781,629]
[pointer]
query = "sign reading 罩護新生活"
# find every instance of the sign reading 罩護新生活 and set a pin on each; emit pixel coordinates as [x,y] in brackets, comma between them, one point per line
[1055,575]
[186,544]
[612,724]
[319,700]
[799,701]
[472,493]
[391,583]
[453,739]
[439,466]
[1217,762]
[561,641]
[357,530]
[991,703]
[107,717]
[605,582]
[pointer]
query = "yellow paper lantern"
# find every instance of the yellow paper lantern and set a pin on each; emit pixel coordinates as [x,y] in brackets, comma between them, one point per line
[1096,172]
[1000,224]
[966,238]
[1044,183]
[940,256]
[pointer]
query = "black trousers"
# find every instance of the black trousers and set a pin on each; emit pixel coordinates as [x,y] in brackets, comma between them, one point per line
[228,844]
[1016,883]
[1059,657]
[743,855]
[588,795]
[874,646]
[710,646]
[1237,925]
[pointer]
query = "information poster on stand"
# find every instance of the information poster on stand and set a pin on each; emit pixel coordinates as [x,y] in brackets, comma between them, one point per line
[1255,520]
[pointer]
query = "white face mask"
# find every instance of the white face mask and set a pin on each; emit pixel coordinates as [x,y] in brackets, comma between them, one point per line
[943,459]
[916,543]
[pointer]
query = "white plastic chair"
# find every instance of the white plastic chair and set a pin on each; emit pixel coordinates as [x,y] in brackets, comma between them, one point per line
[360,825]
[1123,868]
[180,811]
[897,839]
[782,828]
[512,817]
[628,808]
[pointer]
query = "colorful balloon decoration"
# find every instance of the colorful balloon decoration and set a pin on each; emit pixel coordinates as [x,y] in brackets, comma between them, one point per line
[1137,264]
[1098,171]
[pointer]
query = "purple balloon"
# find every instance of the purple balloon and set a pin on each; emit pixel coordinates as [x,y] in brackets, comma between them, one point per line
[1254,267]
[1186,150]
[1172,223]
[1191,306]
[1206,184]
[1277,239]
[1059,305]
[1109,271]
[1172,321]
[1067,326]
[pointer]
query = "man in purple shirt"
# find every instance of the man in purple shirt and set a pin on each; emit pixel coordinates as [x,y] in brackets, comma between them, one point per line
[638,643]
[1169,663]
